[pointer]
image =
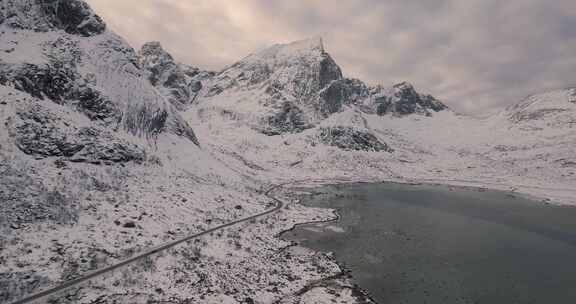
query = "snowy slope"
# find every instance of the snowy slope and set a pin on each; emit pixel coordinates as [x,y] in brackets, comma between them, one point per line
[106,151]
[178,82]
[98,164]
[288,88]
[379,132]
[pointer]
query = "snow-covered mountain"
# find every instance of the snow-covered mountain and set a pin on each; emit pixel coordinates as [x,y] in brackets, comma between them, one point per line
[61,51]
[178,82]
[324,124]
[288,88]
[106,151]
[98,163]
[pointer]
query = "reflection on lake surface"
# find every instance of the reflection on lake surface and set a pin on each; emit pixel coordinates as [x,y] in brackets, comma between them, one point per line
[436,244]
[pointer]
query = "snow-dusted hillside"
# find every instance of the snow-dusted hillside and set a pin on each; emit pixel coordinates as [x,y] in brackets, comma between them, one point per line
[178,82]
[106,151]
[376,133]
[288,88]
[98,164]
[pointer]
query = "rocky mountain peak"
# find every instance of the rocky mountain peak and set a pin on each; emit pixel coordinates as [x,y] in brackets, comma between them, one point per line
[73,16]
[179,83]
[403,99]
[309,44]
[404,87]
[299,69]
[78,98]
[155,60]
[287,80]
[154,50]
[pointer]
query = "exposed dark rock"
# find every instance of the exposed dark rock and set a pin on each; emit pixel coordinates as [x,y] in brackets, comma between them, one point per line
[348,138]
[129,224]
[181,128]
[248,300]
[60,85]
[405,100]
[295,72]
[41,133]
[329,70]
[94,105]
[288,119]
[340,92]
[157,61]
[73,16]
[302,85]
[41,82]
[178,82]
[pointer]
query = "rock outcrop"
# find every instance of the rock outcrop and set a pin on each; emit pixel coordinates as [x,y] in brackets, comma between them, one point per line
[293,78]
[178,82]
[348,138]
[402,99]
[75,62]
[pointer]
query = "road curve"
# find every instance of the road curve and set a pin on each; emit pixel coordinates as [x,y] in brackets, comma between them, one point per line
[90,275]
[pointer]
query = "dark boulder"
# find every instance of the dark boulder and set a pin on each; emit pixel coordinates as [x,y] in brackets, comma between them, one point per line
[129,224]
[348,138]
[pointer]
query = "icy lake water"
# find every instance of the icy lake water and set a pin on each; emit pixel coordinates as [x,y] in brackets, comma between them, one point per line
[436,244]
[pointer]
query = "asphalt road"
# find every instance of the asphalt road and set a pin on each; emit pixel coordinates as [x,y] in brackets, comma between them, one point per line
[45,293]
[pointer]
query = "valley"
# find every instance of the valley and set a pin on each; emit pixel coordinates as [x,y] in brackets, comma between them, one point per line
[107,152]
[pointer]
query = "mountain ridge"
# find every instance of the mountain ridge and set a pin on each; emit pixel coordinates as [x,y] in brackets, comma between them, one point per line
[293,86]
[100,158]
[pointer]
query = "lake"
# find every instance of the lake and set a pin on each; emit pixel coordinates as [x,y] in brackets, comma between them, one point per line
[440,244]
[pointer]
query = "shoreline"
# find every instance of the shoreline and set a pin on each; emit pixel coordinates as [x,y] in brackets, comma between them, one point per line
[545,195]
[310,185]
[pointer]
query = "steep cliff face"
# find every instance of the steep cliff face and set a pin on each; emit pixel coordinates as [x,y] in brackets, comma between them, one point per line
[288,88]
[60,54]
[293,72]
[402,99]
[280,88]
[178,82]
[72,16]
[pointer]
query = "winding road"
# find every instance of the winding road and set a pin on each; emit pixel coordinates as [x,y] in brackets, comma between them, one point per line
[51,291]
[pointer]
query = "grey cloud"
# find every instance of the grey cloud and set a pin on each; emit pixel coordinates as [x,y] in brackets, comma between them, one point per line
[477,55]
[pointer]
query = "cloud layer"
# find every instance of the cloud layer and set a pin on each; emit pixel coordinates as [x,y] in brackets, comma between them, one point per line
[477,55]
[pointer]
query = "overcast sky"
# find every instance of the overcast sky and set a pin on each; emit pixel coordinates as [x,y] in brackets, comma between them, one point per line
[476,55]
